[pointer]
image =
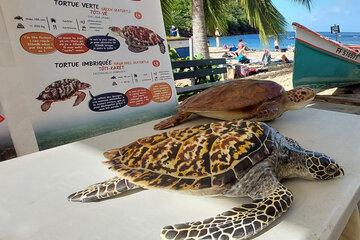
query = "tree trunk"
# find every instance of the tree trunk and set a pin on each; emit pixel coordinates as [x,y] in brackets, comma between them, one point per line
[199,29]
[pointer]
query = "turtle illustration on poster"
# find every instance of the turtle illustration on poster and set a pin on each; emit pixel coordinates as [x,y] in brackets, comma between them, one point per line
[138,38]
[63,90]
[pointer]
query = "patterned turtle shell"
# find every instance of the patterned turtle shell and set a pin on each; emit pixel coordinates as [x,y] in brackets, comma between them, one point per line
[211,156]
[60,90]
[141,36]
[234,95]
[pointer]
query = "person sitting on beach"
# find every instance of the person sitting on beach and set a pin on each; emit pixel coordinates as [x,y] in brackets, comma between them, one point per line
[239,53]
[173,31]
[241,47]
[284,59]
[266,58]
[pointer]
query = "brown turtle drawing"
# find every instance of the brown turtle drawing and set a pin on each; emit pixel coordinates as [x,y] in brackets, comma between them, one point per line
[241,99]
[139,38]
[63,90]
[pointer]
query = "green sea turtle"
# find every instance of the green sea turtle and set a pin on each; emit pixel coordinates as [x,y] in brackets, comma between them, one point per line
[241,99]
[63,90]
[232,159]
[139,38]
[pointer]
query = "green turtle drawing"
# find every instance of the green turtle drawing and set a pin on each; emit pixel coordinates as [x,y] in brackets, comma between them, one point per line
[63,90]
[231,159]
[241,99]
[139,39]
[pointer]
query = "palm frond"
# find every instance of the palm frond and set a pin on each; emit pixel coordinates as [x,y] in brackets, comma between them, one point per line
[264,16]
[215,14]
[306,3]
[167,6]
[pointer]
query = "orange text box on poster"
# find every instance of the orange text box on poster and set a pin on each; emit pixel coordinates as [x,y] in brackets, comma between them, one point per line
[138,97]
[161,92]
[38,42]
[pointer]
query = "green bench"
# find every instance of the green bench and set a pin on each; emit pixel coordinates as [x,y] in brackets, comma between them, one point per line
[196,69]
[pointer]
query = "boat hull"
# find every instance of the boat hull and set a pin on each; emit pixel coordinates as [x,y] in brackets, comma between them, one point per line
[322,63]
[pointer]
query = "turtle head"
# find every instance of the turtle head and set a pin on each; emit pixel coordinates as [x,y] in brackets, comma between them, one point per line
[321,167]
[299,97]
[116,30]
[83,86]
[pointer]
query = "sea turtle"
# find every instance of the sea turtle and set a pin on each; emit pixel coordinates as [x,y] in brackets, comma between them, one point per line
[241,99]
[62,90]
[232,159]
[139,38]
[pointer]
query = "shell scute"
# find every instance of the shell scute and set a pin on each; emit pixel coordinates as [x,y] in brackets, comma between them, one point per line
[192,158]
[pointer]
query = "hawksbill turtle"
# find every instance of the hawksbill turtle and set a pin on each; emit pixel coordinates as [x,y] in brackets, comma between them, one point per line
[139,38]
[232,159]
[241,99]
[62,90]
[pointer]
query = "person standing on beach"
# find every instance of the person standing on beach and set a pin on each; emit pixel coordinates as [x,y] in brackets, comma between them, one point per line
[217,37]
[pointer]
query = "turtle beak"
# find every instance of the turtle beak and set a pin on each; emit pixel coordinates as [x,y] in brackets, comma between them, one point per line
[340,173]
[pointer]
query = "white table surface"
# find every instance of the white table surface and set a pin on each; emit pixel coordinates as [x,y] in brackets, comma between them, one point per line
[33,189]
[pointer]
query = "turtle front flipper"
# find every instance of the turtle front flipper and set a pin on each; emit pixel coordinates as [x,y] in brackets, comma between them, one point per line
[238,223]
[115,187]
[80,97]
[172,121]
[268,111]
[46,106]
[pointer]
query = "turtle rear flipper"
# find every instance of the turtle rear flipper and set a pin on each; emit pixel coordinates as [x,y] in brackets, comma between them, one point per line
[238,223]
[172,121]
[115,187]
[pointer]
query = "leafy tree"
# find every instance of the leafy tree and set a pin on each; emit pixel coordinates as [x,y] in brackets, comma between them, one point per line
[209,14]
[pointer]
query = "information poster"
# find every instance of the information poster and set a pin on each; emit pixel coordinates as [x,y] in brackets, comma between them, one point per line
[90,67]
[7,150]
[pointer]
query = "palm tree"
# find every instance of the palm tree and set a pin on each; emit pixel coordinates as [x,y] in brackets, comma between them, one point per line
[208,14]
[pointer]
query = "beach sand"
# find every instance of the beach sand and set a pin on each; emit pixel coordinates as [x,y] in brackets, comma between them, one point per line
[280,73]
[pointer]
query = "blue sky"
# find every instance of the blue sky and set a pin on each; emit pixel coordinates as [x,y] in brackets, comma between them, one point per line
[323,14]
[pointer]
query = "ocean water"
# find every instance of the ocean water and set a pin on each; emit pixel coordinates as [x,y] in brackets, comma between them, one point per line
[253,40]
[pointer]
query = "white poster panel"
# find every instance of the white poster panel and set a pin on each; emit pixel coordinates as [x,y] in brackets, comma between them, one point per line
[7,150]
[90,67]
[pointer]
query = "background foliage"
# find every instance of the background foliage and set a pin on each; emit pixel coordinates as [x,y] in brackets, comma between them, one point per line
[226,15]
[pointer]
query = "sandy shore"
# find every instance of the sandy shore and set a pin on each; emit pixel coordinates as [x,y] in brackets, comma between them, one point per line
[280,73]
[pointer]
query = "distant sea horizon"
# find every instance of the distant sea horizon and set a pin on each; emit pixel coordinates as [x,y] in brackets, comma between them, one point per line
[287,40]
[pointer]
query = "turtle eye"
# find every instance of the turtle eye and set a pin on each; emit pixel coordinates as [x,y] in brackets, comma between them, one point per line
[331,169]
